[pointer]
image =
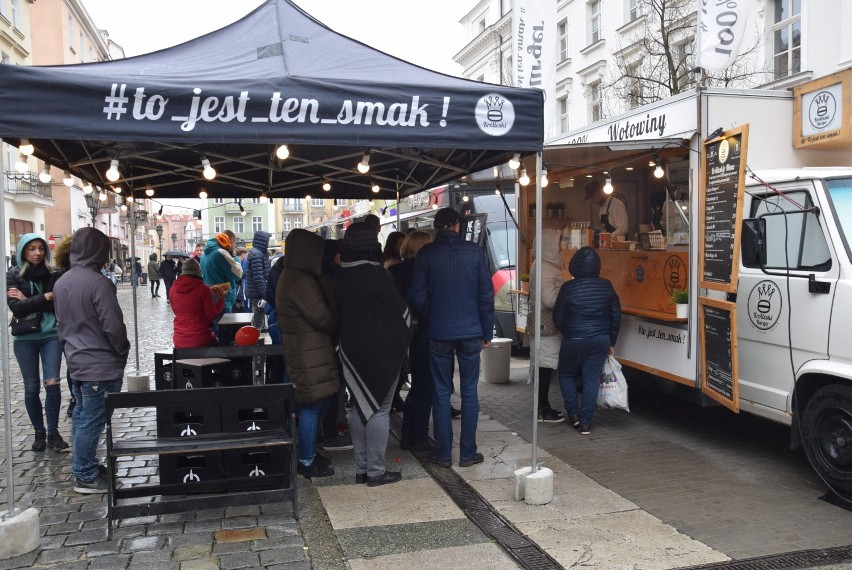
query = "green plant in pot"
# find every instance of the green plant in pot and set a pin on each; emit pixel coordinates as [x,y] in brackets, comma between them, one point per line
[680,298]
[524,278]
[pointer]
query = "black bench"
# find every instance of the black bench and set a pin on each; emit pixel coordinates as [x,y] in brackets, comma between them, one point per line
[217,447]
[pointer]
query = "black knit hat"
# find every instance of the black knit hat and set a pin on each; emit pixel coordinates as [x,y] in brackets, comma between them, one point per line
[446,218]
[360,237]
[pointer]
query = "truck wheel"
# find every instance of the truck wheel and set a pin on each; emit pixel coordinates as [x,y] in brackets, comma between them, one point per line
[827,435]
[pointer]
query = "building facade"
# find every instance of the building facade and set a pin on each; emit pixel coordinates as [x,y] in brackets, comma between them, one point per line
[609,51]
[244,217]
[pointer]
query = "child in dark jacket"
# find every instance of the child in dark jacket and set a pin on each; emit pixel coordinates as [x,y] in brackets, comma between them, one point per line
[588,314]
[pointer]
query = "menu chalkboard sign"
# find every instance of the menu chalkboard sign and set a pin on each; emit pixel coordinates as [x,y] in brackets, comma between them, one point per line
[718,329]
[723,173]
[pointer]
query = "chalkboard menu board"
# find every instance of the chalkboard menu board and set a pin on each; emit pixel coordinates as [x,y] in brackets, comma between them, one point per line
[723,170]
[474,228]
[718,329]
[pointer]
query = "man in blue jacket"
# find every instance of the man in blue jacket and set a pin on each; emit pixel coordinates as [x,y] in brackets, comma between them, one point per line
[256,274]
[452,285]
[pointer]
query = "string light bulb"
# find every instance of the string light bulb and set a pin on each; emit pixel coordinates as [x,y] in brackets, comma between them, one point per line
[264,199]
[202,195]
[374,186]
[522,177]
[607,189]
[209,172]
[282,152]
[102,196]
[26,148]
[44,176]
[124,207]
[87,188]
[658,172]
[465,198]
[116,189]
[544,180]
[67,179]
[149,191]
[326,185]
[515,161]
[364,165]
[21,164]
[112,173]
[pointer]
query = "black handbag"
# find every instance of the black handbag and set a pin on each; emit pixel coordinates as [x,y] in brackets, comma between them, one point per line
[28,324]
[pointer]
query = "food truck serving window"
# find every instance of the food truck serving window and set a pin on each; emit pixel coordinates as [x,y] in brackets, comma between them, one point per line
[806,248]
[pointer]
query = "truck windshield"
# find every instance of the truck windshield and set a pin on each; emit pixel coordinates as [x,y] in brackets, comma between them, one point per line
[501,237]
[840,193]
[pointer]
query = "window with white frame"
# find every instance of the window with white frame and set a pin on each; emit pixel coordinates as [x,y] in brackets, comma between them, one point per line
[292,204]
[562,34]
[80,46]
[298,223]
[593,9]
[635,86]
[634,9]
[316,202]
[480,26]
[16,14]
[563,114]
[255,200]
[218,200]
[339,202]
[684,53]
[3,9]
[287,224]
[239,225]
[219,224]
[256,223]
[595,102]
[787,38]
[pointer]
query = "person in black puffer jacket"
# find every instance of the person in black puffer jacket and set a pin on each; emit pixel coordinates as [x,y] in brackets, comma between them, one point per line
[588,314]
[257,272]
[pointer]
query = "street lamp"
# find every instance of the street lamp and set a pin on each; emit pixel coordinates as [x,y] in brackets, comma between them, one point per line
[174,241]
[93,204]
[159,230]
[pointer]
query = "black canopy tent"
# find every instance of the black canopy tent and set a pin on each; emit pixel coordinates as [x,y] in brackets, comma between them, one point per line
[277,76]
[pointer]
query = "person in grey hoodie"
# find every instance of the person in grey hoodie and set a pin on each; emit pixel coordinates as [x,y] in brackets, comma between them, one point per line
[94,340]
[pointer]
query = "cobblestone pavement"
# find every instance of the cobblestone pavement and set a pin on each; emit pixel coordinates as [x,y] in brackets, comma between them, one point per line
[74,527]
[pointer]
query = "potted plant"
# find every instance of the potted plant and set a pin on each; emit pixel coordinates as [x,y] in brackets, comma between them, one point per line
[524,278]
[680,298]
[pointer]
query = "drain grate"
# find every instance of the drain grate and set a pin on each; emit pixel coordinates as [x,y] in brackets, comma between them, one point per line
[800,559]
[527,553]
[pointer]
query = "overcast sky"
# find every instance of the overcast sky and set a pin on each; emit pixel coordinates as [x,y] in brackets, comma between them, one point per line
[424,32]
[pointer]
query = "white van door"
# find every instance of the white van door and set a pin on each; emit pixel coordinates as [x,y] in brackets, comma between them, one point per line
[783,315]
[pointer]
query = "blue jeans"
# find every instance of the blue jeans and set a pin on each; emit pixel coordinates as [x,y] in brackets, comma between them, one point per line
[28,353]
[441,360]
[586,356]
[88,422]
[310,417]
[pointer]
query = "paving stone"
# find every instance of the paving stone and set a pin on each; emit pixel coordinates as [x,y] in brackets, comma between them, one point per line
[103,548]
[239,522]
[209,563]
[109,562]
[64,528]
[22,561]
[232,547]
[234,561]
[137,520]
[55,556]
[144,543]
[86,537]
[191,552]
[242,535]
[203,525]
[86,516]
[170,528]
[281,555]
[300,565]
[242,510]
[152,559]
[188,538]
[45,520]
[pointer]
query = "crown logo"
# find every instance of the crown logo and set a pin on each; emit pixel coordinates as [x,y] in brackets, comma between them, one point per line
[494,104]
[765,291]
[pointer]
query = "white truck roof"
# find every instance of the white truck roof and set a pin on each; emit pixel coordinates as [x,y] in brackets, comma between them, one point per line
[775,175]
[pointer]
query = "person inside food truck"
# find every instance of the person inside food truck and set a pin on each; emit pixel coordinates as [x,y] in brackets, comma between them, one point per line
[613,212]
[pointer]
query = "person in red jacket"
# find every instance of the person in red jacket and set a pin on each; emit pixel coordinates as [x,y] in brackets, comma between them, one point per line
[194,307]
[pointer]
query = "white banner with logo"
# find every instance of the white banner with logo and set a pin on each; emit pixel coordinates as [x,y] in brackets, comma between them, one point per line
[534,45]
[721,26]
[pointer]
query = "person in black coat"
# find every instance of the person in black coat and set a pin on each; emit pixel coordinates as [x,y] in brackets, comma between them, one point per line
[588,314]
[169,273]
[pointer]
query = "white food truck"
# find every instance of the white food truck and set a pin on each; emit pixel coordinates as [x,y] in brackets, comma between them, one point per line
[770,331]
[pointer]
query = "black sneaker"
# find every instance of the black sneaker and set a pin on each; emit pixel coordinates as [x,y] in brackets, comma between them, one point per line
[40,441]
[574,421]
[56,443]
[96,486]
[338,442]
[585,429]
[472,460]
[360,478]
[550,416]
[322,460]
[440,461]
[454,412]
[314,470]
[384,479]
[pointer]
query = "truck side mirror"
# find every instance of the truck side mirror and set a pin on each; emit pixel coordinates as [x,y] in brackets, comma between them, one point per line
[753,244]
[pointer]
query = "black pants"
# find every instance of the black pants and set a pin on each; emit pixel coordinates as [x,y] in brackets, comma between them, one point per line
[544,388]
[154,292]
[418,403]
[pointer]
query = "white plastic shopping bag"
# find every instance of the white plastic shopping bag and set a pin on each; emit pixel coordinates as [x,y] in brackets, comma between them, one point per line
[613,388]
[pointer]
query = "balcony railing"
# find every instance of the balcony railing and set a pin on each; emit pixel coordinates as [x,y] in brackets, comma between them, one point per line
[27,183]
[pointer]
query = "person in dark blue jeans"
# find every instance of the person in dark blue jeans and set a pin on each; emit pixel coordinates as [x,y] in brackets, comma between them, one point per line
[94,339]
[452,287]
[588,314]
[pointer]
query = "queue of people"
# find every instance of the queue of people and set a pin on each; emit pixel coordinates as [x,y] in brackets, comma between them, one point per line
[352,320]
